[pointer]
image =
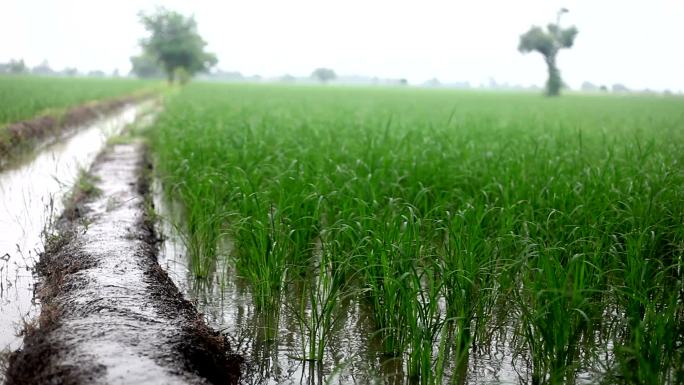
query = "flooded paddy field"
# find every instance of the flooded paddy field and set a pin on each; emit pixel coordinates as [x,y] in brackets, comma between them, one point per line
[354,354]
[329,235]
[398,236]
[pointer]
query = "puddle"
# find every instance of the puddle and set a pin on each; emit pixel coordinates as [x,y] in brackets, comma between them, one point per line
[31,195]
[352,356]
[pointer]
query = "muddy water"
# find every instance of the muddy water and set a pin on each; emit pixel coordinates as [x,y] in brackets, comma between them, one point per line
[353,354]
[31,195]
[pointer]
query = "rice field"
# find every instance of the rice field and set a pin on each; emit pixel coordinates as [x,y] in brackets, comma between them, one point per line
[458,219]
[24,97]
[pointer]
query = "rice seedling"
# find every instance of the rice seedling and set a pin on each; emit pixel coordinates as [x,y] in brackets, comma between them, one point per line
[323,289]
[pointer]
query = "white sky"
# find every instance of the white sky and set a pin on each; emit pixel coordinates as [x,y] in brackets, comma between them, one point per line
[635,42]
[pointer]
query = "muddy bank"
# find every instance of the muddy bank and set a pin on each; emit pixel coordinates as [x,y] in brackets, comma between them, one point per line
[109,313]
[18,137]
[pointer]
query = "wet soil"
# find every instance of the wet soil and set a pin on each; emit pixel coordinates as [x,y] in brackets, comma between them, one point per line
[18,137]
[110,314]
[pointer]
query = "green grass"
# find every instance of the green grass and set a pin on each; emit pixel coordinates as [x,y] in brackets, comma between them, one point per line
[449,214]
[23,97]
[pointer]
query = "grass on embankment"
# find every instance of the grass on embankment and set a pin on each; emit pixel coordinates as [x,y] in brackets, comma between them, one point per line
[35,108]
[24,97]
[562,217]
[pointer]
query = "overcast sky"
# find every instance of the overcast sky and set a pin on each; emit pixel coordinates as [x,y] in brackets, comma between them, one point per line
[635,42]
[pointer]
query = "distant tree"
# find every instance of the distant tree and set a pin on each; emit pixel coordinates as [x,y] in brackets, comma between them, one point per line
[17,66]
[548,43]
[226,75]
[323,75]
[589,87]
[43,69]
[70,71]
[287,78]
[434,82]
[175,44]
[619,88]
[146,66]
[403,82]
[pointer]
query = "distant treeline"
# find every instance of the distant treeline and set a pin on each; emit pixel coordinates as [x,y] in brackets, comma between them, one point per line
[147,69]
[19,67]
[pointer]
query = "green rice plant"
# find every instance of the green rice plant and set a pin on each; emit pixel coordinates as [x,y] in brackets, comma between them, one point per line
[263,265]
[428,343]
[323,289]
[389,259]
[201,226]
[651,352]
[649,348]
[468,270]
[387,292]
[555,315]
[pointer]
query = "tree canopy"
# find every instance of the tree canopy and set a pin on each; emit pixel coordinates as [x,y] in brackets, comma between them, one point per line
[323,74]
[548,42]
[174,44]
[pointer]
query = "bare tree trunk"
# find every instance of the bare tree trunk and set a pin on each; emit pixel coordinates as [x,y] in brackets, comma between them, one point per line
[554,83]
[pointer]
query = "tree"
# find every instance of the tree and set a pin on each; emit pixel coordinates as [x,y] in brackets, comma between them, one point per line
[323,74]
[434,82]
[42,69]
[17,66]
[287,78]
[619,88]
[589,87]
[70,71]
[548,43]
[175,44]
[146,66]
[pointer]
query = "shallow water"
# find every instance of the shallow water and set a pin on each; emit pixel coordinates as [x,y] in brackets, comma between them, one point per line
[353,354]
[31,195]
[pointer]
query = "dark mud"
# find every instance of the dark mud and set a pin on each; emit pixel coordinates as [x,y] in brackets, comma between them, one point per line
[110,314]
[19,137]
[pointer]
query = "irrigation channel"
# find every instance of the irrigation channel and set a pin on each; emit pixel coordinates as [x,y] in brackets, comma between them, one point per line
[32,195]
